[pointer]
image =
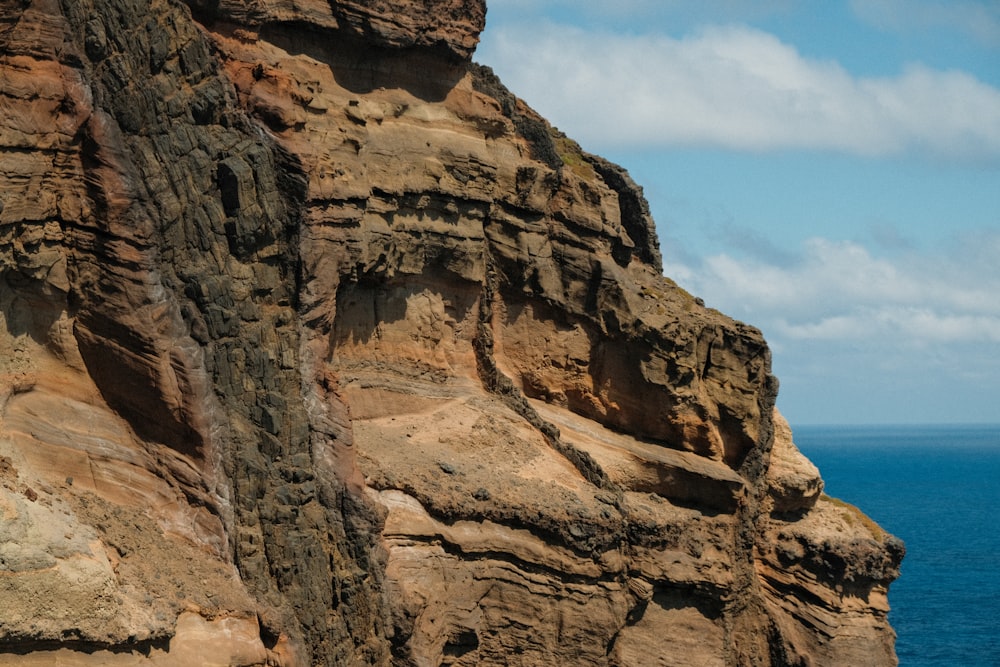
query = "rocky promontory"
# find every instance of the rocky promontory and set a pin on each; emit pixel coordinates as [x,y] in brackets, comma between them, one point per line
[319,347]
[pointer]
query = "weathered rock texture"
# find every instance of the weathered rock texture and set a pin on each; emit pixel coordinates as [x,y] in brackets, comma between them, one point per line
[317,346]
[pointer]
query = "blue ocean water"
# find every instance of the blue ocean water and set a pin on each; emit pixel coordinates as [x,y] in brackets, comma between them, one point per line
[938,489]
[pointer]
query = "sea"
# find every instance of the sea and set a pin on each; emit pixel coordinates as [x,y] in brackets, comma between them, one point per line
[938,489]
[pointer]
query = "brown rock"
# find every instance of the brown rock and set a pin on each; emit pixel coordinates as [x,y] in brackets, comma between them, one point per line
[842,563]
[794,483]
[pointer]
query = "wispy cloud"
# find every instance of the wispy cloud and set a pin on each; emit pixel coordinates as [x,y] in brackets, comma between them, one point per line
[980,20]
[839,290]
[739,88]
[630,9]
[858,337]
[907,325]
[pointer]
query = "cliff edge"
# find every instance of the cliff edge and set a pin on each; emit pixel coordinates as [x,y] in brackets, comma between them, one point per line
[318,346]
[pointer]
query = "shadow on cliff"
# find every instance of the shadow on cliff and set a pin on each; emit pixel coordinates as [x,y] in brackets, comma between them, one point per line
[363,68]
[369,311]
[668,599]
[29,307]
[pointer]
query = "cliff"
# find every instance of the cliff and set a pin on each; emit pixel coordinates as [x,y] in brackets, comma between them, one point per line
[318,346]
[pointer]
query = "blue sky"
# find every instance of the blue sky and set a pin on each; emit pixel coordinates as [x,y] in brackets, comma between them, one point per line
[826,171]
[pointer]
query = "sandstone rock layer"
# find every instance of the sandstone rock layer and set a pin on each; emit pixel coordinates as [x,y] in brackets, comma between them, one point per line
[318,346]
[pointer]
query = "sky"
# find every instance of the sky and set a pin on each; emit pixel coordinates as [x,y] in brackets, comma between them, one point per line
[826,171]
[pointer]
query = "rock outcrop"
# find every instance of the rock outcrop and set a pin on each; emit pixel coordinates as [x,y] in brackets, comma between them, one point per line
[318,346]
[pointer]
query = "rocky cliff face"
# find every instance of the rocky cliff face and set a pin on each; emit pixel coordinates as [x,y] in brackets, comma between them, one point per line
[317,346]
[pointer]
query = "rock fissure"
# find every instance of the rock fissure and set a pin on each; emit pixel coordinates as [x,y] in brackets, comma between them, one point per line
[497,383]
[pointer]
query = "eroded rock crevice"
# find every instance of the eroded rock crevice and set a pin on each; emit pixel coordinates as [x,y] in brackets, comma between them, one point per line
[497,383]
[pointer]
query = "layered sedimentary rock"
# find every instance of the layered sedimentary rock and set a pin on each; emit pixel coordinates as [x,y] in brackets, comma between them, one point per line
[318,346]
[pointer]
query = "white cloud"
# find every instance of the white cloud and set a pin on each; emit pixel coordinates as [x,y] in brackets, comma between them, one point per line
[981,20]
[857,337]
[901,324]
[740,88]
[627,9]
[837,290]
